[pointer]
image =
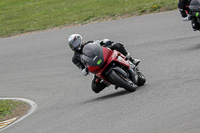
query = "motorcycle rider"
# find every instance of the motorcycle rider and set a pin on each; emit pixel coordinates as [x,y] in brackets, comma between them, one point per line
[76,44]
[183,8]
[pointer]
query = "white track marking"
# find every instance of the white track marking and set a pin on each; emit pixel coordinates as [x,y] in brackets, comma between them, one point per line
[33,107]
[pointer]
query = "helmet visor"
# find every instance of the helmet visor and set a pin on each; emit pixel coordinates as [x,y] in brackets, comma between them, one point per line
[74,45]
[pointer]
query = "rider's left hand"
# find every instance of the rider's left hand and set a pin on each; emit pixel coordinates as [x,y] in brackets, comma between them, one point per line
[106,42]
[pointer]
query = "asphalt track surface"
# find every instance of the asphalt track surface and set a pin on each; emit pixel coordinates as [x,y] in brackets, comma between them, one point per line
[38,67]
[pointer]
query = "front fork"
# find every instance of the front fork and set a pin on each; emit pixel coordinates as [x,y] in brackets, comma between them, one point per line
[134,72]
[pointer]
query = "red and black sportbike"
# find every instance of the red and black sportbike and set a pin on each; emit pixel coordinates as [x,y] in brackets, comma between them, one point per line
[112,67]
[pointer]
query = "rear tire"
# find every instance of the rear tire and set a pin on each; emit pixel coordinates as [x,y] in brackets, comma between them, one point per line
[120,81]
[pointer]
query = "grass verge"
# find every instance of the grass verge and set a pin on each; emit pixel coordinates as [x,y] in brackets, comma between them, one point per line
[12,108]
[20,16]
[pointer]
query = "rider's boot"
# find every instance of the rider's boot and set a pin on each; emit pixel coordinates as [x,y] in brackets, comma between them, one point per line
[134,61]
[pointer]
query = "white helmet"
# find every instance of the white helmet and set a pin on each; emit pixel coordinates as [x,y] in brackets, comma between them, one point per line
[75,41]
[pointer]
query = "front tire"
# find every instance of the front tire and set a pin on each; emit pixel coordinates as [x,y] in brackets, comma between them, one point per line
[141,79]
[121,81]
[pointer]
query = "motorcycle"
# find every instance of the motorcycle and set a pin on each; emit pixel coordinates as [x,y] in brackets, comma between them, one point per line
[112,67]
[194,10]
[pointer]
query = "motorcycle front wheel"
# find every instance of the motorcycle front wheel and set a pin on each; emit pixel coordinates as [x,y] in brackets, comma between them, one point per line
[121,81]
[141,79]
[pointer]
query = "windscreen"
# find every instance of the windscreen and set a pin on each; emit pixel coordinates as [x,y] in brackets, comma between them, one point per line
[92,53]
[91,50]
[195,5]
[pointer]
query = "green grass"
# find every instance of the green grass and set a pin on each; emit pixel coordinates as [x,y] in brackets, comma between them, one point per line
[7,107]
[19,16]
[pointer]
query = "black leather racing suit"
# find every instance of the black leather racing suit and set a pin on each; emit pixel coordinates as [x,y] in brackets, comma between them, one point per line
[76,59]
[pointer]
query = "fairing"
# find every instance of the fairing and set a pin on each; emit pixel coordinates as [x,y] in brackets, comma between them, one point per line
[95,56]
[99,59]
[195,5]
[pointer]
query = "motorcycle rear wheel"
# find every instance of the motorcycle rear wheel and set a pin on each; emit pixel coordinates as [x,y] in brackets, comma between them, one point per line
[120,81]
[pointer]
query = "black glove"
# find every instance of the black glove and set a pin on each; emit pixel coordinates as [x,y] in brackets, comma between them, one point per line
[106,42]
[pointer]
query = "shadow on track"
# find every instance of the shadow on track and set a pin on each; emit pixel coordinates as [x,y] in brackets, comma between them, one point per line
[109,96]
[112,95]
[193,47]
